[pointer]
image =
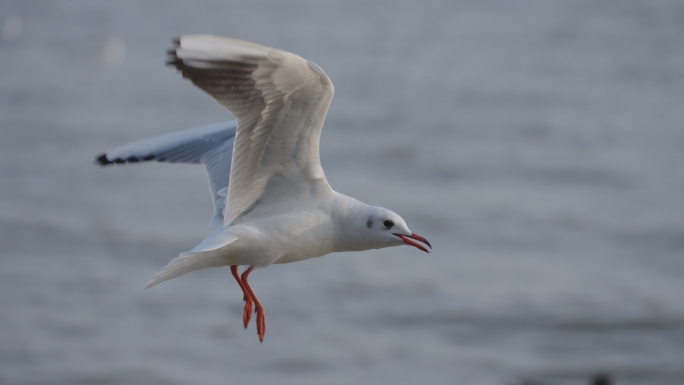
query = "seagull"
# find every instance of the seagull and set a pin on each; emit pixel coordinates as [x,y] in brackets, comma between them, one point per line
[272,201]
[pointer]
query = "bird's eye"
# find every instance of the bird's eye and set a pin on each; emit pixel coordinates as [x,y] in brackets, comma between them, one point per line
[388,223]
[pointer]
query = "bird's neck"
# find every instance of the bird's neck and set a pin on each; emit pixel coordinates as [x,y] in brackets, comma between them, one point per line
[349,218]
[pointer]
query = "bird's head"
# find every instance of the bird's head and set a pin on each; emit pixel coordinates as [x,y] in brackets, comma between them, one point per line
[384,228]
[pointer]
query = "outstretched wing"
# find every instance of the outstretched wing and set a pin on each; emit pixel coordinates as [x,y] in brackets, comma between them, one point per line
[210,145]
[280,101]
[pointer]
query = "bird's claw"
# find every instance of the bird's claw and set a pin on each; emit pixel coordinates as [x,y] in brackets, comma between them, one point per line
[247,313]
[261,324]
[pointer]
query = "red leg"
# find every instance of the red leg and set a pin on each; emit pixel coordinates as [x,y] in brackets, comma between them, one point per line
[247,313]
[261,314]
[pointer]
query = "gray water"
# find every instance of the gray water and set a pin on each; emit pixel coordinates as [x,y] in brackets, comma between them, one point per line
[539,145]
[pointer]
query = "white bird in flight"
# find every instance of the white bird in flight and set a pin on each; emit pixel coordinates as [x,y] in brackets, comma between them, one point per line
[278,206]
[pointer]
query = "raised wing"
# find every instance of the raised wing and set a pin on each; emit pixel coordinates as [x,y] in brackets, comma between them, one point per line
[210,145]
[280,101]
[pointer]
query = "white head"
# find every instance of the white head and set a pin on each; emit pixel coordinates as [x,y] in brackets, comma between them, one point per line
[370,227]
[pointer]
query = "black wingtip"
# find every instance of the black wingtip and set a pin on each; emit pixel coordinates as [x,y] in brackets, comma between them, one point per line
[172,58]
[102,160]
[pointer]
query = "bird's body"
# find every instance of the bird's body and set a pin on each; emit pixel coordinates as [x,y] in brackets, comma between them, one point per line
[272,201]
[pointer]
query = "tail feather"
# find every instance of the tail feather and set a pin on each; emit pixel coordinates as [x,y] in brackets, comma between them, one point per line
[211,252]
[185,263]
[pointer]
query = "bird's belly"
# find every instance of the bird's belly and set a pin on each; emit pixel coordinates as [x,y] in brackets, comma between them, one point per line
[262,254]
[295,257]
[265,254]
[291,238]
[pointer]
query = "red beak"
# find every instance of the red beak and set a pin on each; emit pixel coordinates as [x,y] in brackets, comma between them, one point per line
[408,241]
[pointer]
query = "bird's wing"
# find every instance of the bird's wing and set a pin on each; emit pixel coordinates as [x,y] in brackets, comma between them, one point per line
[210,145]
[280,101]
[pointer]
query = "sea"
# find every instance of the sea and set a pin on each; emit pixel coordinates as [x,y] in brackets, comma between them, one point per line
[538,145]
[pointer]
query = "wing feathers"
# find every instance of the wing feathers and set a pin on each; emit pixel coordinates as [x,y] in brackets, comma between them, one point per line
[279,99]
[211,146]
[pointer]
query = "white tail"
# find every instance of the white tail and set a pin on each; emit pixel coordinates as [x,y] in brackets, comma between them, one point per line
[209,253]
[185,263]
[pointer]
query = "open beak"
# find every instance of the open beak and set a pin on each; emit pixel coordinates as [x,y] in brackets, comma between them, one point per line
[408,240]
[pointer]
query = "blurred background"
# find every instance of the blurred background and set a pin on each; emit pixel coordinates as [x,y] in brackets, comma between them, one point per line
[537,144]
